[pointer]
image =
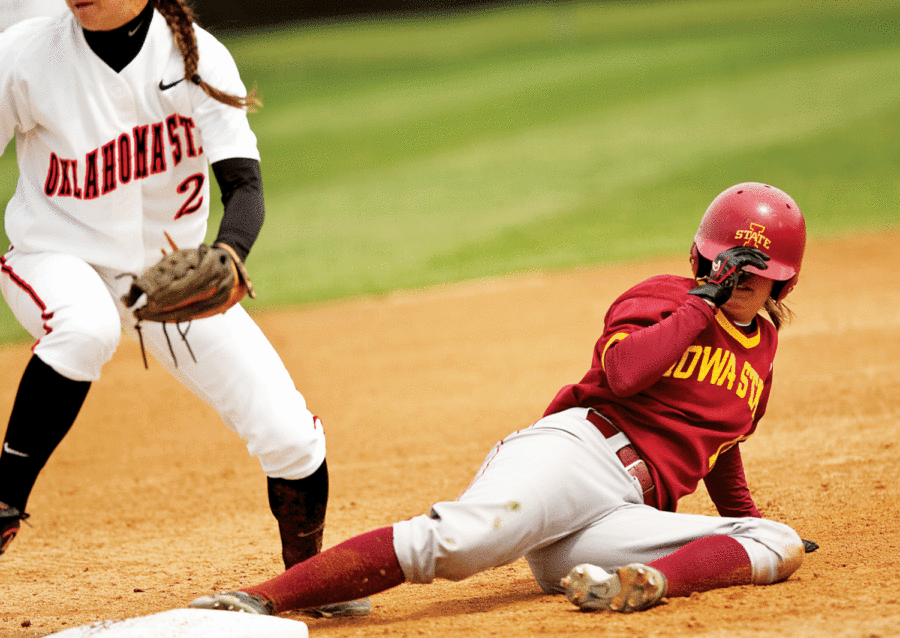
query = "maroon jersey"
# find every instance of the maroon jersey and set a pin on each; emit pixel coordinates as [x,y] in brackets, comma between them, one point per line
[685,384]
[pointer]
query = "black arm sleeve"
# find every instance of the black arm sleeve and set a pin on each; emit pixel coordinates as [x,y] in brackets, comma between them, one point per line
[242,196]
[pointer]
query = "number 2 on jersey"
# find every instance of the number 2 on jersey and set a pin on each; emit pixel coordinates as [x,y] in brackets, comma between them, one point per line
[194,184]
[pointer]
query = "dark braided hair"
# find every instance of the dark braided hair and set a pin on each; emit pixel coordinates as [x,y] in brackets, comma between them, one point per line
[180,19]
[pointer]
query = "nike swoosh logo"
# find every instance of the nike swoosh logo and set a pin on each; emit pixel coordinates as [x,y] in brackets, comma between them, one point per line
[165,87]
[136,29]
[9,450]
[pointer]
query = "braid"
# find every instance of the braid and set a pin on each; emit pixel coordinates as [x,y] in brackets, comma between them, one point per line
[180,18]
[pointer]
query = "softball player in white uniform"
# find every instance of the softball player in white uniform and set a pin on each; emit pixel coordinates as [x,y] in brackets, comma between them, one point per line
[118,108]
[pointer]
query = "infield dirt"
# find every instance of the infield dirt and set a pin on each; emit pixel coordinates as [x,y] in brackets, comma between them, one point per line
[151,502]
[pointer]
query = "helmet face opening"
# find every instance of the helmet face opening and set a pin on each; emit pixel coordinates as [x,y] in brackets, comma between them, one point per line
[758,215]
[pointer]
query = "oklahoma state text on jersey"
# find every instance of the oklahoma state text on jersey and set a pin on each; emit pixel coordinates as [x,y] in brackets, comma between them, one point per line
[688,385]
[143,152]
[105,173]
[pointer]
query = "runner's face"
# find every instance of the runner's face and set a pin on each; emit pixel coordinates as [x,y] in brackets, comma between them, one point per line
[105,15]
[748,298]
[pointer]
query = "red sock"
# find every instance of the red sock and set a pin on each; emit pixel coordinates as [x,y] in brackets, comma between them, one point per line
[704,564]
[358,567]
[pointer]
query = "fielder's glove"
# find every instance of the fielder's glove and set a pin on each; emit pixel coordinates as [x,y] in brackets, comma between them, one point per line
[726,272]
[190,283]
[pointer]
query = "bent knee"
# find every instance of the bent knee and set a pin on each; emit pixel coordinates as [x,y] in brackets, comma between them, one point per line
[78,349]
[429,547]
[776,551]
[290,449]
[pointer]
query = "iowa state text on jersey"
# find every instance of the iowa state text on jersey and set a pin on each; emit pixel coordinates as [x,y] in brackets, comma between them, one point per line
[719,367]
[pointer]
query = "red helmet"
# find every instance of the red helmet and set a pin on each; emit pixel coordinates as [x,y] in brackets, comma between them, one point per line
[759,215]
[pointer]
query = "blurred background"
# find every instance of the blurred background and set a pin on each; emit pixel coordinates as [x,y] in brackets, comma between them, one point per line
[218,15]
[411,144]
[243,15]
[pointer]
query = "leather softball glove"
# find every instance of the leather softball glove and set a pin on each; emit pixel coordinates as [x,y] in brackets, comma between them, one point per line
[190,283]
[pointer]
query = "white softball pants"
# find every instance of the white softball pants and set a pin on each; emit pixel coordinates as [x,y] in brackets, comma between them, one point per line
[557,494]
[74,312]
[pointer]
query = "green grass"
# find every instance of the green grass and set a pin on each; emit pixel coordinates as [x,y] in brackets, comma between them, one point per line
[401,153]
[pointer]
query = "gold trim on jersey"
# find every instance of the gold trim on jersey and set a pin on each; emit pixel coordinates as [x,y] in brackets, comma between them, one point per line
[613,339]
[748,341]
[725,447]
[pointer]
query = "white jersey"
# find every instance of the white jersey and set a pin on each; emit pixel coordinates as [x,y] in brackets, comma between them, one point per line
[109,161]
[12,11]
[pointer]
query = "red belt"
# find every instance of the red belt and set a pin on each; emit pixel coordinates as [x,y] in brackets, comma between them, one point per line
[633,463]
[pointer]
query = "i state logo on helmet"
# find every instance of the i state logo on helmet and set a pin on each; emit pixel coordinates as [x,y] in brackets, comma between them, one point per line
[754,236]
[758,215]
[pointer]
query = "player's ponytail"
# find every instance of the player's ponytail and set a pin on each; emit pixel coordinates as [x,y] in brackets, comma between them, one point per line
[778,312]
[180,19]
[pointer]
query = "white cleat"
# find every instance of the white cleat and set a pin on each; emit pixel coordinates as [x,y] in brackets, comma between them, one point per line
[361,607]
[634,587]
[235,601]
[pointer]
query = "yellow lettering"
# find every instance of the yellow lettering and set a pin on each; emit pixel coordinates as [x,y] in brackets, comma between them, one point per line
[745,382]
[751,386]
[680,371]
[751,236]
[715,363]
[755,396]
[729,372]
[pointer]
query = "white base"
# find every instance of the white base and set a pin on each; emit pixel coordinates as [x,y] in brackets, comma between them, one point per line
[192,623]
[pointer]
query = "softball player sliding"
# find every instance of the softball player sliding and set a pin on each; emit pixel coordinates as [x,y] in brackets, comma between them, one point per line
[680,377]
[118,108]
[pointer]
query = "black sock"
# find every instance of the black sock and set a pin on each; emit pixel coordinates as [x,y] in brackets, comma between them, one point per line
[44,410]
[299,507]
